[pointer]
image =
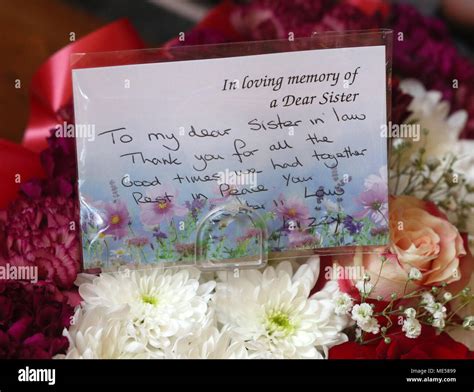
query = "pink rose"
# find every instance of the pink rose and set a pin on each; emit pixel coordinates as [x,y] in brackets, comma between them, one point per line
[421,238]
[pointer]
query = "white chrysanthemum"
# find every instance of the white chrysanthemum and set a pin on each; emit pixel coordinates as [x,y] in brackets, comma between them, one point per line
[432,113]
[411,327]
[343,304]
[99,333]
[272,313]
[209,343]
[163,304]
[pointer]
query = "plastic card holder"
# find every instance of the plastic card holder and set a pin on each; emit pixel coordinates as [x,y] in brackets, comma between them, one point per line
[227,156]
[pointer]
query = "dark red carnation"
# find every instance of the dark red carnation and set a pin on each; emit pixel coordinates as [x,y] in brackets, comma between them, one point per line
[32,320]
[272,19]
[42,233]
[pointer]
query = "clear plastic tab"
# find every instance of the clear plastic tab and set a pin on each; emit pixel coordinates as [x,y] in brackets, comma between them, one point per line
[245,225]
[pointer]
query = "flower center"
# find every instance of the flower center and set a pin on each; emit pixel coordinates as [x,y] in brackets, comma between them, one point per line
[292,212]
[115,220]
[149,299]
[161,206]
[376,205]
[279,323]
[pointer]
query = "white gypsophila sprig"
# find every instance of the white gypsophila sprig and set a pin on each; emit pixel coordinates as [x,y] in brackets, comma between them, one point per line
[468,323]
[343,304]
[439,318]
[362,315]
[436,309]
[410,312]
[273,313]
[364,287]
[415,274]
[161,306]
[427,299]
[411,327]
[447,296]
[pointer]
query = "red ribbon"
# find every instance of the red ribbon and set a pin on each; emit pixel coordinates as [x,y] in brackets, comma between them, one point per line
[51,89]
[18,166]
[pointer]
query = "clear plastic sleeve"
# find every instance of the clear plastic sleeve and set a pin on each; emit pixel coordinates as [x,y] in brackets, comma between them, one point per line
[178,133]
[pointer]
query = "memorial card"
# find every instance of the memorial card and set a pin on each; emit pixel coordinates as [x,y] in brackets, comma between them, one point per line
[295,139]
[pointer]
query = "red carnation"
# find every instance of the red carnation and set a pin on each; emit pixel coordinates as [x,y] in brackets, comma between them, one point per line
[428,345]
[42,233]
[32,320]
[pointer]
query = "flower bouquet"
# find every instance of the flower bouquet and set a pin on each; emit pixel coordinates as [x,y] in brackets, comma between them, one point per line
[414,300]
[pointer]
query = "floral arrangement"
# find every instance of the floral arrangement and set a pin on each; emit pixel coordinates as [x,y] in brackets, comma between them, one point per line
[414,300]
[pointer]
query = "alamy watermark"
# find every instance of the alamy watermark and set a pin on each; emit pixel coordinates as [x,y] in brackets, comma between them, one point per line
[19,272]
[350,272]
[401,131]
[86,131]
[28,374]
[237,178]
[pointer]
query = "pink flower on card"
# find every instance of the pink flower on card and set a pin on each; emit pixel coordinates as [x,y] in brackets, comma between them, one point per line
[292,209]
[116,219]
[162,207]
[374,202]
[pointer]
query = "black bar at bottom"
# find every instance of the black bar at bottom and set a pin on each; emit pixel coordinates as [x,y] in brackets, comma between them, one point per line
[418,373]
